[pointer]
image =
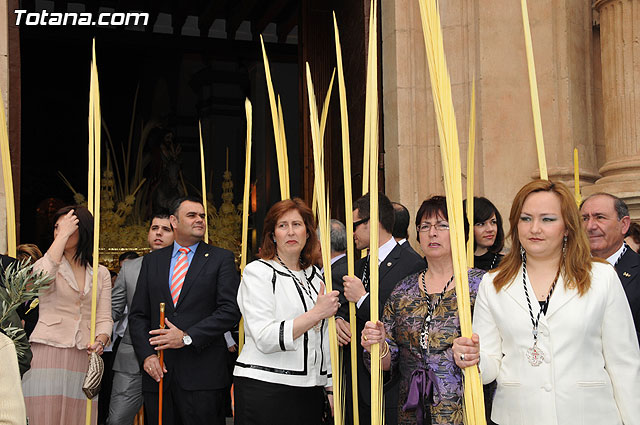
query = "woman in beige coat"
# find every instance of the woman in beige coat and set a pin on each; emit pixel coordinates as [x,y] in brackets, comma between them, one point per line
[60,340]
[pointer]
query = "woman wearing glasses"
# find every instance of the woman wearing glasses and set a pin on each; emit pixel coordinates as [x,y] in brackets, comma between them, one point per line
[552,324]
[419,324]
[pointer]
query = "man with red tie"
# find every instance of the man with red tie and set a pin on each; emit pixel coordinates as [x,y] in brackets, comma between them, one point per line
[198,284]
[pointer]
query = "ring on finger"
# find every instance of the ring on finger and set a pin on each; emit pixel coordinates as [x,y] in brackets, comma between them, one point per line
[365,337]
[462,356]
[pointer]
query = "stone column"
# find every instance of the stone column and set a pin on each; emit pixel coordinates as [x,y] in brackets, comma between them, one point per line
[619,32]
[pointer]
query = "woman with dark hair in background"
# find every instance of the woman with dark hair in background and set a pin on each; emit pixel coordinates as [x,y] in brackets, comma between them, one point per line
[419,324]
[60,341]
[488,241]
[285,363]
[488,235]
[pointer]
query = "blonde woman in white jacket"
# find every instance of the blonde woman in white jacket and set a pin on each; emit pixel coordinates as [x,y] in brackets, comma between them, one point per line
[552,324]
[285,363]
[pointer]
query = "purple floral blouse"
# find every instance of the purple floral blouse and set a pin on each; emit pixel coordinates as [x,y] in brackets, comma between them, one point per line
[403,318]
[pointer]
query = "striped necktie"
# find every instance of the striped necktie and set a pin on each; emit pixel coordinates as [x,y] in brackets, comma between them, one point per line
[179,272]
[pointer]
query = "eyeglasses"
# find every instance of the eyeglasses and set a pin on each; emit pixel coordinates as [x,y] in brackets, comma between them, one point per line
[359,222]
[440,227]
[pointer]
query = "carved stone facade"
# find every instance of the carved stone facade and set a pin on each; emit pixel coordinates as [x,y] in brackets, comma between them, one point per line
[589,87]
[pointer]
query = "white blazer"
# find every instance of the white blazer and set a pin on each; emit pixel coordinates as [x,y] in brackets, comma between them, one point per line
[591,368]
[270,300]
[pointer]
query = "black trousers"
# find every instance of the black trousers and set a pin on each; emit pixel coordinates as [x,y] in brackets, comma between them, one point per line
[181,407]
[364,409]
[266,403]
[489,394]
[107,379]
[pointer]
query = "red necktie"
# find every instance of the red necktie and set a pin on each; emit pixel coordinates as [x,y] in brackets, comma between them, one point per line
[179,272]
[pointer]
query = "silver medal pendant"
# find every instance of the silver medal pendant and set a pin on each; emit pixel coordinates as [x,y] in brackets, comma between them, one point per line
[535,355]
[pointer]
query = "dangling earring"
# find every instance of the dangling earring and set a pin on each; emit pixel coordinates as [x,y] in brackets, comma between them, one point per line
[523,254]
[564,246]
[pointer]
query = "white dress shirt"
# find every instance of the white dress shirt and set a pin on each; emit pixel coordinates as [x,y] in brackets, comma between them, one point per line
[337,257]
[613,258]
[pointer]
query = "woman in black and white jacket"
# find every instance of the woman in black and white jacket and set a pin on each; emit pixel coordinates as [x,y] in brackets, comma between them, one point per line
[285,362]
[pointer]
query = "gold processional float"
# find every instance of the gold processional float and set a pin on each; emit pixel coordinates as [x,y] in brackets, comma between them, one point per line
[225,224]
[124,229]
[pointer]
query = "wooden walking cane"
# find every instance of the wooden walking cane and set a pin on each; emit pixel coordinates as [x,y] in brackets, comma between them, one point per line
[161,355]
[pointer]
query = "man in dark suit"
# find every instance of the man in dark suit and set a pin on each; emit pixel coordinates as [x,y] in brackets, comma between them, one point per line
[395,263]
[401,226]
[606,220]
[14,320]
[198,284]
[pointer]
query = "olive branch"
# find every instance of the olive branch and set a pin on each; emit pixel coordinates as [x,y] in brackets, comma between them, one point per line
[19,284]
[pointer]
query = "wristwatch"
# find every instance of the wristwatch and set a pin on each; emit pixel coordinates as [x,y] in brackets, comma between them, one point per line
[186,339]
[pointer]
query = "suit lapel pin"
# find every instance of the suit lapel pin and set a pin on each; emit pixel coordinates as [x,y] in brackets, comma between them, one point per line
[206,255]
[626,274]
[389,264]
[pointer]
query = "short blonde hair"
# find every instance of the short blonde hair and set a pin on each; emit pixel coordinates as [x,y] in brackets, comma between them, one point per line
[28,251]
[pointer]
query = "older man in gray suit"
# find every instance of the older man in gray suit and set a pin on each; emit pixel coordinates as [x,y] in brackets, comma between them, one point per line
[126,393]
